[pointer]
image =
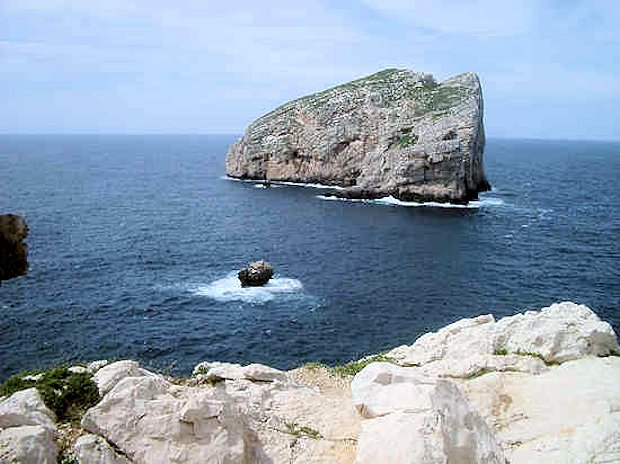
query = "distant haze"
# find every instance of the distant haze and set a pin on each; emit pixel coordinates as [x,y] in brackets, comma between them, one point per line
[549,68]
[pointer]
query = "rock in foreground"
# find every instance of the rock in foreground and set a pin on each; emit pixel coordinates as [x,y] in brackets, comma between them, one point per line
[256,274]
[396,132]
[13,252]
[538,387]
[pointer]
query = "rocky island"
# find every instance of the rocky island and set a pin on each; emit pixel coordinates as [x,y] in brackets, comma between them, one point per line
[537,387]
[395,133]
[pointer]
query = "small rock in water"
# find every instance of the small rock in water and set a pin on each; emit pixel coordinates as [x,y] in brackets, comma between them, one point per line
[256,274]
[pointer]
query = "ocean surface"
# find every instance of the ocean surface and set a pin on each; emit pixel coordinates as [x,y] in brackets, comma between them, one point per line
[135,240]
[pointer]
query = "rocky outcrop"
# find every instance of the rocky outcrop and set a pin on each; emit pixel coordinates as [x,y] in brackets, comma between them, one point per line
[525,342]
[27,429]
[91,449]
[256,274]
[396,132]
[542,386]
[13,250]
[227,413]
[412,418]
[570,413]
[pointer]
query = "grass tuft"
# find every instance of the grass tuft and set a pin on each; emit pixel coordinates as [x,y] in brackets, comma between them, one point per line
[66,393]
[301,431]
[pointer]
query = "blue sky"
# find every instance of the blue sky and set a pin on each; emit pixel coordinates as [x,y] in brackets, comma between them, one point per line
[549,68]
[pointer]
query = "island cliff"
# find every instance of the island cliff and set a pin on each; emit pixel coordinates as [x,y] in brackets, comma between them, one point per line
[396,132]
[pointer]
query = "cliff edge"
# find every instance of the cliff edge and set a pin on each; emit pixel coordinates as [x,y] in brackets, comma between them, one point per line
[537,387]
[396,132]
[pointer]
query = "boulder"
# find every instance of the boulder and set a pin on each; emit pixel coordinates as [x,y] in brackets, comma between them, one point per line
[25,407]
[413,418]
[153,421]
[109,375]
[396,132]
[569,413]
[555,334]
[13,250]
[216,371]
[28,444]
[91,449]
[261,415]
[256,274]
[96,365]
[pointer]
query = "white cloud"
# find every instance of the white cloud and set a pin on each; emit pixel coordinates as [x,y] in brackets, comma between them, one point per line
[457,17]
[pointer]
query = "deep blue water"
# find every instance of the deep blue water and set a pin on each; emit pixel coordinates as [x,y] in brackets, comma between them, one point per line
[134,238]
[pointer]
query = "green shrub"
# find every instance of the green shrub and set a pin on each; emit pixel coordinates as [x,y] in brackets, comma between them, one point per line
[66,393]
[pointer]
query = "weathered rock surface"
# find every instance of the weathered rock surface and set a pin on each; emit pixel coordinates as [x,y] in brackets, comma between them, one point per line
[243,414]
[109,375]
[25,408]
[91,449]
[216,371]
[256,274]
[569,414]
[27,429]
[28,444]
[396,132]
[559,333]
[414,418]
[539,387]
[13,250]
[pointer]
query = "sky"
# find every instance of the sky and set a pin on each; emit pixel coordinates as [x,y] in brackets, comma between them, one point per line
[549,69]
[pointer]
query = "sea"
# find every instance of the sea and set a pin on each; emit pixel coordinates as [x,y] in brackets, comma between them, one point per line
[135,242]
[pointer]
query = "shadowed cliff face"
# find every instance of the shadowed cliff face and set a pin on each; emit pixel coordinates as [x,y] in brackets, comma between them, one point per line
[13,252]
[395,132]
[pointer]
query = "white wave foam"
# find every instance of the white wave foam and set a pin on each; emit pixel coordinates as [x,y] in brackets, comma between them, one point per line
[391,201]
[229,289]
[260,183]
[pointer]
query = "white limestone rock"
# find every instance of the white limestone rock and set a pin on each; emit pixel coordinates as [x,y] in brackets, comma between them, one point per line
[413,418]
[26,407]
[96,365]
[216,371]
[382,388]
[479,364]
[396,132]
[108,376]
[28,444]
[77,369]
[558,333]
[568,414]
[153,421]
[91,449]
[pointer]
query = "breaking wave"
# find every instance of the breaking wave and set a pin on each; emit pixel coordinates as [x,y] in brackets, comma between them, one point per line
[229,289]
[391,201]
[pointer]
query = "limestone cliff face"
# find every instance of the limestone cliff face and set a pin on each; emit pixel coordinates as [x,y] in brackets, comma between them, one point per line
[396,132]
